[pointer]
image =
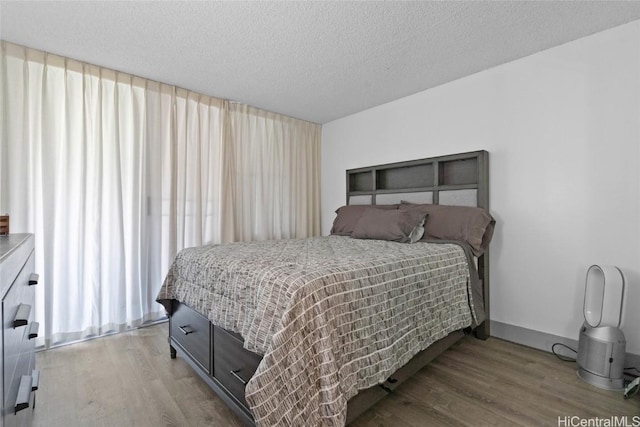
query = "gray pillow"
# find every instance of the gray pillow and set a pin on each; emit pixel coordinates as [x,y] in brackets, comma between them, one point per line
[461,223]
[393,225]
[349,215]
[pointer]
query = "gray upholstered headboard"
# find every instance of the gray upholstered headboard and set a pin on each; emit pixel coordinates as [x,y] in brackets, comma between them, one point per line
[457,179]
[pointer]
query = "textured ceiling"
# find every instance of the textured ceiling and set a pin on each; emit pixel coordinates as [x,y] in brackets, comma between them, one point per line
[318,61]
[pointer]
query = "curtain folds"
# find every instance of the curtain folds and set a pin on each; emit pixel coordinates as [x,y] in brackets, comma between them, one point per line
[272,184]
[115,174]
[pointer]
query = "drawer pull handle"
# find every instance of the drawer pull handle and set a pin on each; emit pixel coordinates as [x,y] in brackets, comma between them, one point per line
[24,393]
[22,315]
[238,377]
[33,279]
[35,379]
[186,329]
[33,330]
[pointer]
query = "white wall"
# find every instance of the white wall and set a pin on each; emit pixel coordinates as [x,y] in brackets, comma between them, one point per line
[562,128]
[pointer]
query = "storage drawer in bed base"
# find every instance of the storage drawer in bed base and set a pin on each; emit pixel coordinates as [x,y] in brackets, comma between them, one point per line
[214,354]
[238,408]
[192,332]
[233,366]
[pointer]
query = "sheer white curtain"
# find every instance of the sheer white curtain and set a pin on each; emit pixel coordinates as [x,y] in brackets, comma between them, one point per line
[114,174]
[73,142]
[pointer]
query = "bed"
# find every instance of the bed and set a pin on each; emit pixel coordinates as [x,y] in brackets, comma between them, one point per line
[315,331]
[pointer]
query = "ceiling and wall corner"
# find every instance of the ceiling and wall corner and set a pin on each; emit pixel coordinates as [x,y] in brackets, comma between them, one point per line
[317,61]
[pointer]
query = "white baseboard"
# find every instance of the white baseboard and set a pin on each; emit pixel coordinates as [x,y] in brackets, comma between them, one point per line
[543,341]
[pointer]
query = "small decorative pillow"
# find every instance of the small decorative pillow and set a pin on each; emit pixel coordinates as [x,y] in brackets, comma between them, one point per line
[461,223]
[349,215]
[418,231]
[393,225]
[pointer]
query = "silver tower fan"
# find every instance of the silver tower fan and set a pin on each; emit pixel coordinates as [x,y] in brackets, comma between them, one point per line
[601,346]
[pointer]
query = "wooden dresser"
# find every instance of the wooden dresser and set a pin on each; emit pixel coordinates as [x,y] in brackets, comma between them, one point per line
[17,289]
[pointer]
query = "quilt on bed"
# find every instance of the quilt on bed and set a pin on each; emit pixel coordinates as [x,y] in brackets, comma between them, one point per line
[331,315]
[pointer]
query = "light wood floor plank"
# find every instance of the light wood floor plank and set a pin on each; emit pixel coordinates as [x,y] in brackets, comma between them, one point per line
[129,380]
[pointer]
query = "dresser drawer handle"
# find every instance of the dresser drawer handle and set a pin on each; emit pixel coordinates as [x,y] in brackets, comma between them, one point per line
[35,379]
[24,393]
[33,330]
[238,377]
[33,279]
[22,315]
[186,329]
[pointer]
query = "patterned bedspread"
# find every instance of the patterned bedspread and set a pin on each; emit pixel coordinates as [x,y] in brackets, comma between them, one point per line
[331,315]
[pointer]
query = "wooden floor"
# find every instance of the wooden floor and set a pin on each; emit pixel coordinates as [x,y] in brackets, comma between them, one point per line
[129,380]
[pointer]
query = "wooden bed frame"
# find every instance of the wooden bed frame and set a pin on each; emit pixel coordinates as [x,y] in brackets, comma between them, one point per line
[218,356]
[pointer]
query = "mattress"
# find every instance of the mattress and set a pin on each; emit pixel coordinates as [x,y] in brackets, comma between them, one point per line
[330,315]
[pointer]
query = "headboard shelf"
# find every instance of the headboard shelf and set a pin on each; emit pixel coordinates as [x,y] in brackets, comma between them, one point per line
[361,181]
[436,175]
[419,189]
[452,187]
[462,172]
[394,178]
[405,190]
